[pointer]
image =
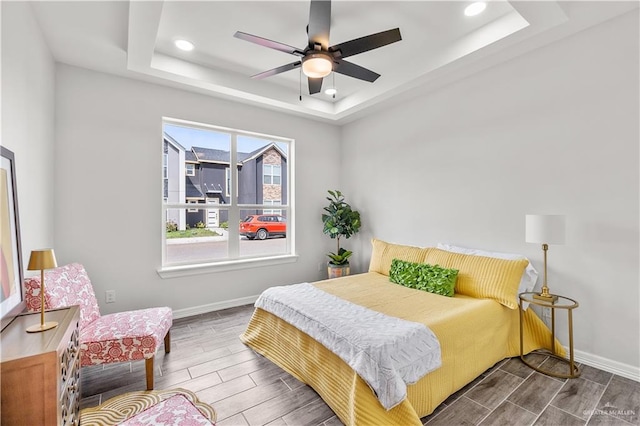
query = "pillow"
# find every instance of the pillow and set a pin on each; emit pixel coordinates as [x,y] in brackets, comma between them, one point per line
[422,276]
[529,278]
[483,277]
[383,253]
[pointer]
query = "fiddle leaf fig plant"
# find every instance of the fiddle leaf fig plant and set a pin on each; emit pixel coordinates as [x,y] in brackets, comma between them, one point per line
[340,220]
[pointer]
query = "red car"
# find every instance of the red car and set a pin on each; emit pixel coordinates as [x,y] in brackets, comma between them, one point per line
[261,226]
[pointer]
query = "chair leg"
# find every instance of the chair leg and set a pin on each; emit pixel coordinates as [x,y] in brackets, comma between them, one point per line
[148,363]
[167,342]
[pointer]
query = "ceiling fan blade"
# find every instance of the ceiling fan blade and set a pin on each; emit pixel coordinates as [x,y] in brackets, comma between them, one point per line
[319,23]
[315,85]
[278,70]
[268,43]
[366,43]
[355,71]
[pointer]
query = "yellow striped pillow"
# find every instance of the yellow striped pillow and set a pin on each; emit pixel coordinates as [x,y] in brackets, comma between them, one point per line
[383,253]
[483,277]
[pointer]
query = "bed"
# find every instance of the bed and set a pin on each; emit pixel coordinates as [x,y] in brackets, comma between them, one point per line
[474,334]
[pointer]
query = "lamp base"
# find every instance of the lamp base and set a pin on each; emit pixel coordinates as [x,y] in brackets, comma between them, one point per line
[546,297]
[37,328]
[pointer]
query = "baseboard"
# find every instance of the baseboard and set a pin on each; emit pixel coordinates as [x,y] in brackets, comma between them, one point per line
[203,309]
[615,367]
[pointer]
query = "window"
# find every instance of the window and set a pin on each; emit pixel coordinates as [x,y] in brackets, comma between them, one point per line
[228,163]
[272,203]
[165,165]
[165,175]
[271,174]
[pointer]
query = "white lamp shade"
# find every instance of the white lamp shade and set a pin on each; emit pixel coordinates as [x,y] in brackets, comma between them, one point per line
[545,229]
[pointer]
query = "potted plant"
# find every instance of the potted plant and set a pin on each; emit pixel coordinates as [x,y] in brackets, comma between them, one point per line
[340,220]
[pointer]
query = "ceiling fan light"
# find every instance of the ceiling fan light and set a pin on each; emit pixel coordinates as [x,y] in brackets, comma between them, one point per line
[331,91]
[317,65]
[475,8]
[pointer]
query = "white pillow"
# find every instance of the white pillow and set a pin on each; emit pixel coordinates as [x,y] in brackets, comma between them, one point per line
[529,277]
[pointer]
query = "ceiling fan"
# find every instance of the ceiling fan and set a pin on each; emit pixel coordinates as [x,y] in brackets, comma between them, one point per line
[319,59]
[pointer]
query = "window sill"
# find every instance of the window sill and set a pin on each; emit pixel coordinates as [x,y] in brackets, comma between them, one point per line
[231,265]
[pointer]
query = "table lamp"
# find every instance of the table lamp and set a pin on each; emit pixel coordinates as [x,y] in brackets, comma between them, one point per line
[41,260]
[545,230]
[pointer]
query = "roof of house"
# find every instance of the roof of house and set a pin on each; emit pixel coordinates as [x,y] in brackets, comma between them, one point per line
[222,156]
[198,154]
[190,156]
[192,190]
[259,151]
[208,154]
[172,141]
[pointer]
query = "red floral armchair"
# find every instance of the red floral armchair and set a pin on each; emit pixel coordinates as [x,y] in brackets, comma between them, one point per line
[119,337]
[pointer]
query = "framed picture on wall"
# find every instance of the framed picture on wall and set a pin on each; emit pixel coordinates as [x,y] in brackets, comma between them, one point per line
[11,292]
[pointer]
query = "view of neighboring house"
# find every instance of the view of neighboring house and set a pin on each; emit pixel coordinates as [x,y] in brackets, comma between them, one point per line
[202,176]
[174,179]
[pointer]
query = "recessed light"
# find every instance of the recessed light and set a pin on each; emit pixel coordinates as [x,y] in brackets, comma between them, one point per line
[185,45]
[331,91]
[475,8]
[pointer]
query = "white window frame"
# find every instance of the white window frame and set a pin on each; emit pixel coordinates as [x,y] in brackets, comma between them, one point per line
[234,261]
[272,203]
[271,174]
[192,210]
[165,165]
[190,169]
[165,176]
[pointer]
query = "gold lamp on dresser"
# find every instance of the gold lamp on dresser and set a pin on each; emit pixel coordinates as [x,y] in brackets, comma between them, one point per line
[41,260]
[545,230]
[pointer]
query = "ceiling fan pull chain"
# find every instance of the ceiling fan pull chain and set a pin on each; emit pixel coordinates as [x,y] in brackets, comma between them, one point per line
[334,85]
[300,85]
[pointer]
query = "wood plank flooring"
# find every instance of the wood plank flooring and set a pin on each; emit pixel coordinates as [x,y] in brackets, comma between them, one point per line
[246,389]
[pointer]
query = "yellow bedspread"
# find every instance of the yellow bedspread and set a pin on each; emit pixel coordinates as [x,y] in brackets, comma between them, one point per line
[474,334]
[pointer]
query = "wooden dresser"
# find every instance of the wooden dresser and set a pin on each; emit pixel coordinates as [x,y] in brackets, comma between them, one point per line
[41,371]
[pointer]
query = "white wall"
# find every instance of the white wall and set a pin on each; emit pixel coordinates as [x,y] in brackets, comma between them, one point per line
[28,74]
[554,131]
[109,188]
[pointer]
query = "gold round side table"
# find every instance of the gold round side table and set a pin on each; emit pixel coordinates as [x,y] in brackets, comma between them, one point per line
[556,302]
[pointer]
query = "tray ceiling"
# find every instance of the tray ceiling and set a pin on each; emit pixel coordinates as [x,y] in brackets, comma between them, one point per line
[439,44]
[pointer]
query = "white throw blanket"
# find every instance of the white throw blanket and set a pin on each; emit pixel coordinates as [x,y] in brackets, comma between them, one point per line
[387,352]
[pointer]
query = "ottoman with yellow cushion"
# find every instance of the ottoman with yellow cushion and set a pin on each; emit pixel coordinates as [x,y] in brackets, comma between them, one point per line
[166,407]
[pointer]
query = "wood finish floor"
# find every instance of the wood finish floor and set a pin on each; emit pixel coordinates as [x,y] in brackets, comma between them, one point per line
[246,389]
